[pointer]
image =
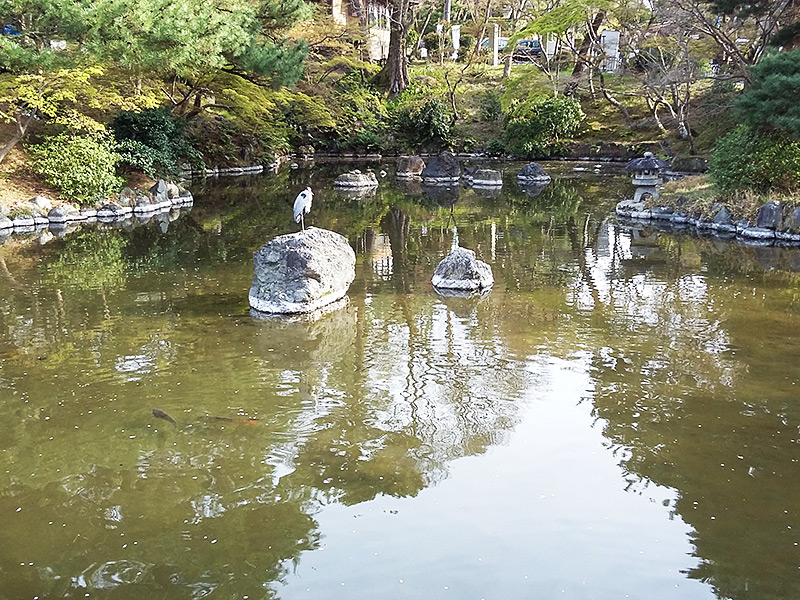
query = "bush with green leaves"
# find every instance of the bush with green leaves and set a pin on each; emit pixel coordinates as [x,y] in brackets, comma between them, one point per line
[534,128]
[82,167]
[423,122]
[360,113]
[367,139]
[432,43]
[756,161]
[153,141]
[466,46]
[490,107]
[495,147]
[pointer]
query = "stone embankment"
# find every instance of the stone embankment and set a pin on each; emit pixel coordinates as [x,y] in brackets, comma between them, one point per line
[40,213]
[774,223]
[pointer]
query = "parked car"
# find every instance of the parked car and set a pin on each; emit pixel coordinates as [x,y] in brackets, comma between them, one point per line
[527,51]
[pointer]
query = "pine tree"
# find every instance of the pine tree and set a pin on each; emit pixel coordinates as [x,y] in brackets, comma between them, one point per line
[770,103]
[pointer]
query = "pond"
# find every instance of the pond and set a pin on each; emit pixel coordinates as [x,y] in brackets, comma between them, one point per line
[618,418]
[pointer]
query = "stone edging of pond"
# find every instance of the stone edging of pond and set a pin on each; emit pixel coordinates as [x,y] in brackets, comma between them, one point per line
[772,225]
[162,197]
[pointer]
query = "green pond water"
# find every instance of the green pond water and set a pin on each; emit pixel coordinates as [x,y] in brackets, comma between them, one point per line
[618,418]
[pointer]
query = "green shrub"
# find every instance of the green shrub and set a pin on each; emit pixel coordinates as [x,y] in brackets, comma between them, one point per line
[151,140]
[489,104]
[432,43]
[81,167]
[495,147]
[367,139]
[423,122]
[232,141]
[751,160]
[535,127]
[466,46]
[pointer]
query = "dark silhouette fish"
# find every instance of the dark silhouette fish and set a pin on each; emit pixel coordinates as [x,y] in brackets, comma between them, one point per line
[249,420]
[160,414]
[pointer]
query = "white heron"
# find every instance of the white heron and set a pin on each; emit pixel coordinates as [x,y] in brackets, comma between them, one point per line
[302,205]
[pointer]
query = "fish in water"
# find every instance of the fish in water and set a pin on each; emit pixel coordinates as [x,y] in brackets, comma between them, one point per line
[250,420]
[160,414]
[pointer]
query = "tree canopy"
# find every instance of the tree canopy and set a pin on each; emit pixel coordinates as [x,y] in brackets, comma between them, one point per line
[770,103]
[178,42]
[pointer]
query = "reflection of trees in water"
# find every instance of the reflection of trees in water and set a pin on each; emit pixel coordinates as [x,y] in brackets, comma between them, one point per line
[374,399]
[676,386]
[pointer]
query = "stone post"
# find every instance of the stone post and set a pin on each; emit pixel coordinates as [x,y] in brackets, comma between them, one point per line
[494,42]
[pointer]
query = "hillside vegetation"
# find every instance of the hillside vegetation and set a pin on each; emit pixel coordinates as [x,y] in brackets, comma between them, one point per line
[94,94]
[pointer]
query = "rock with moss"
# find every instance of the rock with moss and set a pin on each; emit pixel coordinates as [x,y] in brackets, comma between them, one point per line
[769,216]
[490,178]
[791,223]
[41,203]
[64,213]
[113,212]
[689,164]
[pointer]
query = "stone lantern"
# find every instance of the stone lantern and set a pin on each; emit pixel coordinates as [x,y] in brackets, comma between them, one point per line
[646,175]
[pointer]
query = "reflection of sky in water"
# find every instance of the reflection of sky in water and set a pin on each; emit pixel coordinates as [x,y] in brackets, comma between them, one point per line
[552,511]
[135,365]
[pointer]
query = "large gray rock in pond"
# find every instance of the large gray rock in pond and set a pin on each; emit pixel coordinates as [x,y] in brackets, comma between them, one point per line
[410,166]
[302,272]
[356,180]
[532,173]
[442,170]
[460,270]
[769,215]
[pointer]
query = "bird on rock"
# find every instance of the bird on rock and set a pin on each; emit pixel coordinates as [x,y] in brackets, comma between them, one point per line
[302,205]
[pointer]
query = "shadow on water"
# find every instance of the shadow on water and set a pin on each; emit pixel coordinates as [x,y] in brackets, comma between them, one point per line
[689,346]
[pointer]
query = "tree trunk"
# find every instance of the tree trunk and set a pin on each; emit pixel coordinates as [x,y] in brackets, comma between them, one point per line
[22,127]
[507,62]
[394,74]
[653,106]
[582,58]
[421,31]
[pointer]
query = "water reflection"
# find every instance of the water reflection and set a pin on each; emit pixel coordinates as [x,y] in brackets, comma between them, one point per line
[679,351]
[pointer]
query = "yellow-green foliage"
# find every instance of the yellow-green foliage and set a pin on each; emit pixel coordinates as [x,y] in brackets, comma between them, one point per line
[71,97]
[303,111]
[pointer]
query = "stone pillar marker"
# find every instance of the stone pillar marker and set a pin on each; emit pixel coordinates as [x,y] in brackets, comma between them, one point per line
[455,35]
[494,42]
